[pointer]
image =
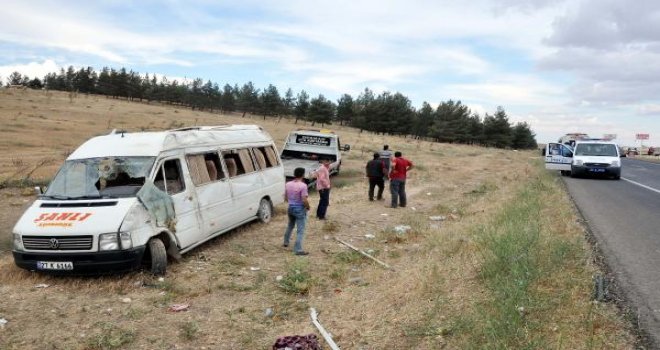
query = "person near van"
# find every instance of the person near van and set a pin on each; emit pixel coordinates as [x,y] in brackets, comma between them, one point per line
[386,156]
[322,176]
[376,172]
[398,174]
[295,193]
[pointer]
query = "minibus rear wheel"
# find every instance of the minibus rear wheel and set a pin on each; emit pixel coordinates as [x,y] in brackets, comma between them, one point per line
[158,255]
[265,212]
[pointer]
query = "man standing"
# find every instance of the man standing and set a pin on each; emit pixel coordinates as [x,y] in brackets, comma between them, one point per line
[376,171]
[295,192]
[400,167]
[386,156]
[322,175]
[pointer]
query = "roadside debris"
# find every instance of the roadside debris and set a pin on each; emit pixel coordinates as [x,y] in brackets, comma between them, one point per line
[384,214]
[369,236]
[358,281]
[297,342]
[3,322]
[161,279]
[279,278]
[402,229]
[269,312]
[178,307]
[42,285]
[327,336]
[364,253]
[253,268]
[438,218]
[126,300]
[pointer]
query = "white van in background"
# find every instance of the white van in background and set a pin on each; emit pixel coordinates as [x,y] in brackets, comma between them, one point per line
[589,157]
[305,148]
[126,198]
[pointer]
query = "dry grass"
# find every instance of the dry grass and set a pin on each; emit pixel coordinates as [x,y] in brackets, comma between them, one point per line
[431,300]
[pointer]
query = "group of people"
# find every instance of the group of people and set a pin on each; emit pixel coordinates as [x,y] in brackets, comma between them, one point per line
[384,166]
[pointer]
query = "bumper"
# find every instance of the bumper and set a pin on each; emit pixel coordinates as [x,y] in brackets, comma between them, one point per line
[88,263]
[595,171]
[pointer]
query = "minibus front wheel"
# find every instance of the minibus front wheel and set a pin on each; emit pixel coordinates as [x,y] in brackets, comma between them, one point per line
[158,254]
[265,212]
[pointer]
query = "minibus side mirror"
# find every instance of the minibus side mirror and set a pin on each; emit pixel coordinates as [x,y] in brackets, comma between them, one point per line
[346,148]
[38,190]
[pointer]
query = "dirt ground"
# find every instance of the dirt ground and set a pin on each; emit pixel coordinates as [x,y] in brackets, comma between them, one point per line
[233,284]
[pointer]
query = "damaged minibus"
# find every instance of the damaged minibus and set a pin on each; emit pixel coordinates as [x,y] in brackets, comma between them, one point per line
[127,199]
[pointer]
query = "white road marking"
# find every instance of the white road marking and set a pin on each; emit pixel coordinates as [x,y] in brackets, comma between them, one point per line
[641,185]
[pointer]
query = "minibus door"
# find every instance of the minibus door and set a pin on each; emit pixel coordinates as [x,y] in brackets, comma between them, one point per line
[171,178]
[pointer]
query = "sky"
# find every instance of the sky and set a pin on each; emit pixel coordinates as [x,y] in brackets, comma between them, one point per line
[589,66]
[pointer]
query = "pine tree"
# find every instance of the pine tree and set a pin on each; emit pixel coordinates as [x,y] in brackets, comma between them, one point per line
[522,137]
[345,109]
[497,130]
[271,103]
[288,102]
[228,99]
[302,106]
[321,110]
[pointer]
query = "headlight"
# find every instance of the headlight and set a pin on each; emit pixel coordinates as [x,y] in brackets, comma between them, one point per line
[126,241]
[108,241]
[578,162]
[18,242]
[615,163]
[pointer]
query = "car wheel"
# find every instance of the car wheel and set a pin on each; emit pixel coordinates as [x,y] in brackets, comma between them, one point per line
[158,255]
[573,174]
[265,212]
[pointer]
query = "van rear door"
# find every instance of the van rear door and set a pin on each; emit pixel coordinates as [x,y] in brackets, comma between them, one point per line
[558,157]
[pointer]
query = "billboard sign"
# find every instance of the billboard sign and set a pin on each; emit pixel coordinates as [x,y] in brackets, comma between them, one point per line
[642,136]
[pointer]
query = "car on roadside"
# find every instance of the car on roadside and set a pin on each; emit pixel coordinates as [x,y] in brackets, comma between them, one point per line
[654,151]
[632,151]
[596,158]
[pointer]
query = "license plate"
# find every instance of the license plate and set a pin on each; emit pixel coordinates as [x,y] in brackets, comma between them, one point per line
[597,170]
[55,265]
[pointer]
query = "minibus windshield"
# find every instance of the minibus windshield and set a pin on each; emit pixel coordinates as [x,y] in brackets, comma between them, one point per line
[105,177]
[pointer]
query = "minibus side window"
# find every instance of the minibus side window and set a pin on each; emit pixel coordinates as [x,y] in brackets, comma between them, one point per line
[233,163]
[268,154]
[246,159]
[205,168]
[260,159]
[169,177]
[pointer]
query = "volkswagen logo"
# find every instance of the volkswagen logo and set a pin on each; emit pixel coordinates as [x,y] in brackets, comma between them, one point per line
[53,243]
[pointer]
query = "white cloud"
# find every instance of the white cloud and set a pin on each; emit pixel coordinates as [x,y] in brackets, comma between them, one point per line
[32,69]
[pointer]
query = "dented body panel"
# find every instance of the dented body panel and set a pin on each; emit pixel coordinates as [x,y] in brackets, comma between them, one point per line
[93,217]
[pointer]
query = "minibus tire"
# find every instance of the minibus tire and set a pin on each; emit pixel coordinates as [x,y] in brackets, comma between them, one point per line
[158,254]
[265,212]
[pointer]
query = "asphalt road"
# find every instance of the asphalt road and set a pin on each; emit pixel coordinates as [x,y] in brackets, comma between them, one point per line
[624,217]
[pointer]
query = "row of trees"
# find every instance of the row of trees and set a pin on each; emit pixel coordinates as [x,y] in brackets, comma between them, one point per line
[386,113]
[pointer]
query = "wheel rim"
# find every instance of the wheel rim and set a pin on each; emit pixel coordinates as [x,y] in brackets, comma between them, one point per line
[265,211]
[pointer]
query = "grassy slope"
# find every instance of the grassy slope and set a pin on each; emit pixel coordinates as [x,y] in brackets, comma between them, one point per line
[510,241]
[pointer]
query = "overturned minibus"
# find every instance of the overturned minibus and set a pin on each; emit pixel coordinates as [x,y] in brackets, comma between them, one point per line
[127,199]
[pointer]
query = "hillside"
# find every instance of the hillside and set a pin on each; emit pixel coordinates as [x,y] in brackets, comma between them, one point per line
[506,267]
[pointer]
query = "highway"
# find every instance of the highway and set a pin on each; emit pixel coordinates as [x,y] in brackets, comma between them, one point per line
[624,217]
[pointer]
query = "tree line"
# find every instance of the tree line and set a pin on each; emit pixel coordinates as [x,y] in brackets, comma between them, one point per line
[385,113]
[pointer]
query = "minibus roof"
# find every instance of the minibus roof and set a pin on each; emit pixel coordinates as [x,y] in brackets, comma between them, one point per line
[151,144]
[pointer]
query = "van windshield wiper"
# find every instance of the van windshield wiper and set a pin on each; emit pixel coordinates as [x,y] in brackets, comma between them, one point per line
[58,197]
[94,196]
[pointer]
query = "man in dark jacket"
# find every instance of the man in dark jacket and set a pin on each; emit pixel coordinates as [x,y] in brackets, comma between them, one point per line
[376,171]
